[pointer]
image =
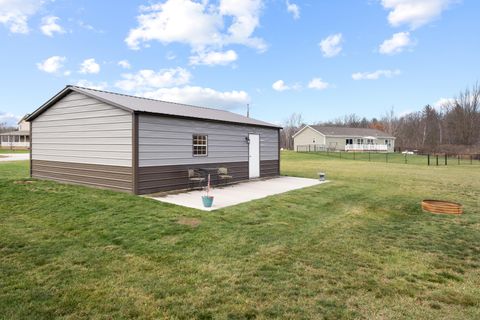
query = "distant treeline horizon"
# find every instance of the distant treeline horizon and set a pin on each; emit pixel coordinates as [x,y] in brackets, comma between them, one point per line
[454,127]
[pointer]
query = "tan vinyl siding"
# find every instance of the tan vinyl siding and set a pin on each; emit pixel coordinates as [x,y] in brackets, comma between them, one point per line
[307,136]
[80,129]
[165,141]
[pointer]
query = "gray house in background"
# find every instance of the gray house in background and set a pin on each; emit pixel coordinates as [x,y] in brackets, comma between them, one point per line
[321,138]
[142,146]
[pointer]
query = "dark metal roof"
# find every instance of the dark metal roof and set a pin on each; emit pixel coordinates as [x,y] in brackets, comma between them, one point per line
[139,104]
[353,132]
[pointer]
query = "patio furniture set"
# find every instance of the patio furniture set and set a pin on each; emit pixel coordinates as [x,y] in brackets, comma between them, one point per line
[198,177]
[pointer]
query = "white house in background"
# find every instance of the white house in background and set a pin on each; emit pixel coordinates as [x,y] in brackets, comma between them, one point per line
[322,138]
[19,139]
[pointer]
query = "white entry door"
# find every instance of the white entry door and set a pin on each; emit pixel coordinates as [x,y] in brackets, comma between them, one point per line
[254,156]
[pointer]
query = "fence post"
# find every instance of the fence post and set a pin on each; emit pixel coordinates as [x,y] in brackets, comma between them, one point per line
[437,159]
[340,154]
[369,156]
[458,159]
[471,159]
[446,162]
[353,155]
[405,158]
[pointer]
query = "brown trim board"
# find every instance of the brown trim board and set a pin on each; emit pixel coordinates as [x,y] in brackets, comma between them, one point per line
[31,139]
[135,152]
[278,133]
[100,176]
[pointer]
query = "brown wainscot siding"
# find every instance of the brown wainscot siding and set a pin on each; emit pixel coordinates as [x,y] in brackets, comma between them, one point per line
[101,176]
[166,178]
[269,168]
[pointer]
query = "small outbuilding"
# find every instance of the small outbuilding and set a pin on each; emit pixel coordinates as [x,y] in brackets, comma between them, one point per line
[18,139]
[322,138]
[139,145]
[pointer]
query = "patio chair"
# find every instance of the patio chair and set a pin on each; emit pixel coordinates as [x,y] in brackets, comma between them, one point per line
[223,175]
[194,177]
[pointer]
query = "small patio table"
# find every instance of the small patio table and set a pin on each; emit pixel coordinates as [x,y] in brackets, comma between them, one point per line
[208,171]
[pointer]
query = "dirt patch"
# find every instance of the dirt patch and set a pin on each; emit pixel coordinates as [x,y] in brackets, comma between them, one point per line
[23,182]
[192,222]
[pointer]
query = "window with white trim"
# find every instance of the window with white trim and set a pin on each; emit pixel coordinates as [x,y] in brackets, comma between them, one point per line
[200,145]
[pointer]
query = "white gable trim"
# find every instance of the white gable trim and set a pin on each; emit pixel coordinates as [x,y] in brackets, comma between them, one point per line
[303,129]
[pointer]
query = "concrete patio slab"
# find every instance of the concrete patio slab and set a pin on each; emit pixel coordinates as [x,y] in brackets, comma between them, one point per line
[239,193]
[14,156]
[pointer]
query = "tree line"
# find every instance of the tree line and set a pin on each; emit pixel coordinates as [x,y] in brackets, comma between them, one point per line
[453,127]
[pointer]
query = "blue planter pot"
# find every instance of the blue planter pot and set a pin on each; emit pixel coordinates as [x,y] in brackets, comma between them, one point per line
[207,201]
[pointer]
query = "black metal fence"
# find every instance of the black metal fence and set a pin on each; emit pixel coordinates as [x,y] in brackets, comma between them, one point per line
[394,157]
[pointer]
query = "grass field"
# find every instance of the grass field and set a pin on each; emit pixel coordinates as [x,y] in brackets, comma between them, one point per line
[356,248]
[13,151]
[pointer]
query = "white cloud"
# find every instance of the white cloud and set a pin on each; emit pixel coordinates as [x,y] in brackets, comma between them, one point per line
[91,85]
[50,26]
[214,58]
[200,96]
[52,65]
[9,118]
[293,9]
[375,75]
[89,66]
[443,102]
[414,13]
[396,44]
[229,22]
[331,45]
[318,84]
[280,85]
[14,14]
[148,80]
[124,64]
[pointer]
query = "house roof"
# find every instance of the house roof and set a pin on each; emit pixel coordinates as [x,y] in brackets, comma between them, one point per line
[145,105]
[350,132]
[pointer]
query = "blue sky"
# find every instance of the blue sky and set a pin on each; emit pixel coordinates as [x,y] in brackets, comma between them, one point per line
[323,59]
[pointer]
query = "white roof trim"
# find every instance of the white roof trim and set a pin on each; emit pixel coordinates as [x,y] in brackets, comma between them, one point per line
[307,126]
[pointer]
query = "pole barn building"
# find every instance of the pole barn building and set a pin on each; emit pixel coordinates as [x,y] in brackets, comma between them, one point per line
[138,145]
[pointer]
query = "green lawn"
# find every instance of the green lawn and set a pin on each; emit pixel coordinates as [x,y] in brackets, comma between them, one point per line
[13,151]
[358,247]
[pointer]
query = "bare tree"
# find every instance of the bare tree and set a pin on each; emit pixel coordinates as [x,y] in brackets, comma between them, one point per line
[290,126]
[463,117]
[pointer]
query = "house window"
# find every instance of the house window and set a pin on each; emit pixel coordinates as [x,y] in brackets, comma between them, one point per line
[4,138]
[387,142]
[17,138]
[349,141]
[313,140]
[359,141]
[369,141]
[200,145]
